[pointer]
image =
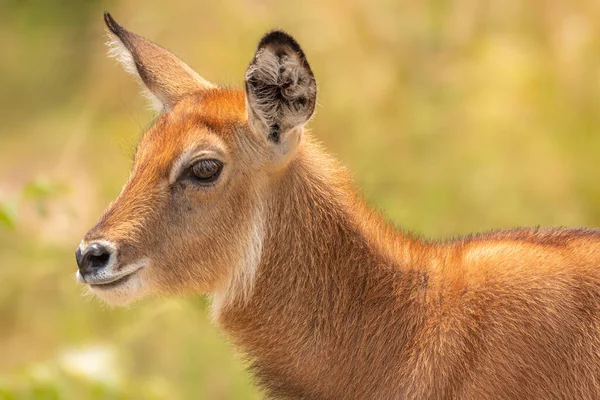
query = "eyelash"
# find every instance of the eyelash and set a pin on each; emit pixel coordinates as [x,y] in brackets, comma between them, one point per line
[205,171]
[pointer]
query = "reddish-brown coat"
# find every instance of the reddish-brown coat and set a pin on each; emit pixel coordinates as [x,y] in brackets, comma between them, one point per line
[342,305]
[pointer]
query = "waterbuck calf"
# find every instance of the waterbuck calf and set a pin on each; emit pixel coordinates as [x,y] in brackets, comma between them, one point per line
[229,196]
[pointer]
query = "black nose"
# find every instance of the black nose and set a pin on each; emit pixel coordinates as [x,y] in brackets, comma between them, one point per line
[94,258]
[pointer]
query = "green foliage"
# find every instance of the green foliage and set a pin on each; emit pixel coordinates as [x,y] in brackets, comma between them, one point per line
[41,191]
[7,214]
[38,193]
[51,382]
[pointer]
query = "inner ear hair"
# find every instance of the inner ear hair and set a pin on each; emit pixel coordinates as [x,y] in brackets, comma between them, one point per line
[280,86]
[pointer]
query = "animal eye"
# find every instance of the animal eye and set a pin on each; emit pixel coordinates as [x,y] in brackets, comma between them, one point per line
[206,171]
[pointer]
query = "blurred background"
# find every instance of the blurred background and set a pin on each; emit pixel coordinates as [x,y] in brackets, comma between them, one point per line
[454,116]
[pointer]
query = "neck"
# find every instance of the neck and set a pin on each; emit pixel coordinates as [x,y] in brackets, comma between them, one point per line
[329,271]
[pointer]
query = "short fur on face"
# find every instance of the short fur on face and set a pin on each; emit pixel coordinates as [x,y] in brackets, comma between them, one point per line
[253,134]
[326,299]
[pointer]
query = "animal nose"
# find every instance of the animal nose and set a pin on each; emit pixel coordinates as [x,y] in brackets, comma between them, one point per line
[93,258]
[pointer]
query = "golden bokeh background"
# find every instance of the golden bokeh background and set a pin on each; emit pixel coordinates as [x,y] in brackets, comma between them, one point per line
[454,116]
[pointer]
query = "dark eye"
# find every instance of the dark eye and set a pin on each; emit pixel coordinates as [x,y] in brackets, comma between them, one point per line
[206,171]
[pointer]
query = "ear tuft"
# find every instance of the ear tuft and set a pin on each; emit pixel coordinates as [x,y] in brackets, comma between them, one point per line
[280,86]
[280,39]
[111,24]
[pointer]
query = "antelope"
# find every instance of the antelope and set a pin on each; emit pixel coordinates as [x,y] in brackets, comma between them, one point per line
[230,196]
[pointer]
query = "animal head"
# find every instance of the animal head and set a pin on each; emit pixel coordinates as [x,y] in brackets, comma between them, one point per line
[190,217]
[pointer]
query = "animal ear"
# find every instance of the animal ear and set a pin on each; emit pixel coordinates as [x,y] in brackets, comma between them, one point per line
[281,91]
[166,78]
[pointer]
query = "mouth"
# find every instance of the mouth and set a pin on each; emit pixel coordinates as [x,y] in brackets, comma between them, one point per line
[112,283]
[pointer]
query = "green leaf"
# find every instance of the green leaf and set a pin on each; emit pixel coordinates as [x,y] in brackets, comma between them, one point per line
[43,188]
[7,215]
[38,188]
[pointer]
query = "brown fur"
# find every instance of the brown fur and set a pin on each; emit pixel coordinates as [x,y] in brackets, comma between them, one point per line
[341,305]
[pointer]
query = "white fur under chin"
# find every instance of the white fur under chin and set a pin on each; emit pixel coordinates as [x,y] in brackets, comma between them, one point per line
[239,288]
[127,292]
[118,51]
[122,295]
